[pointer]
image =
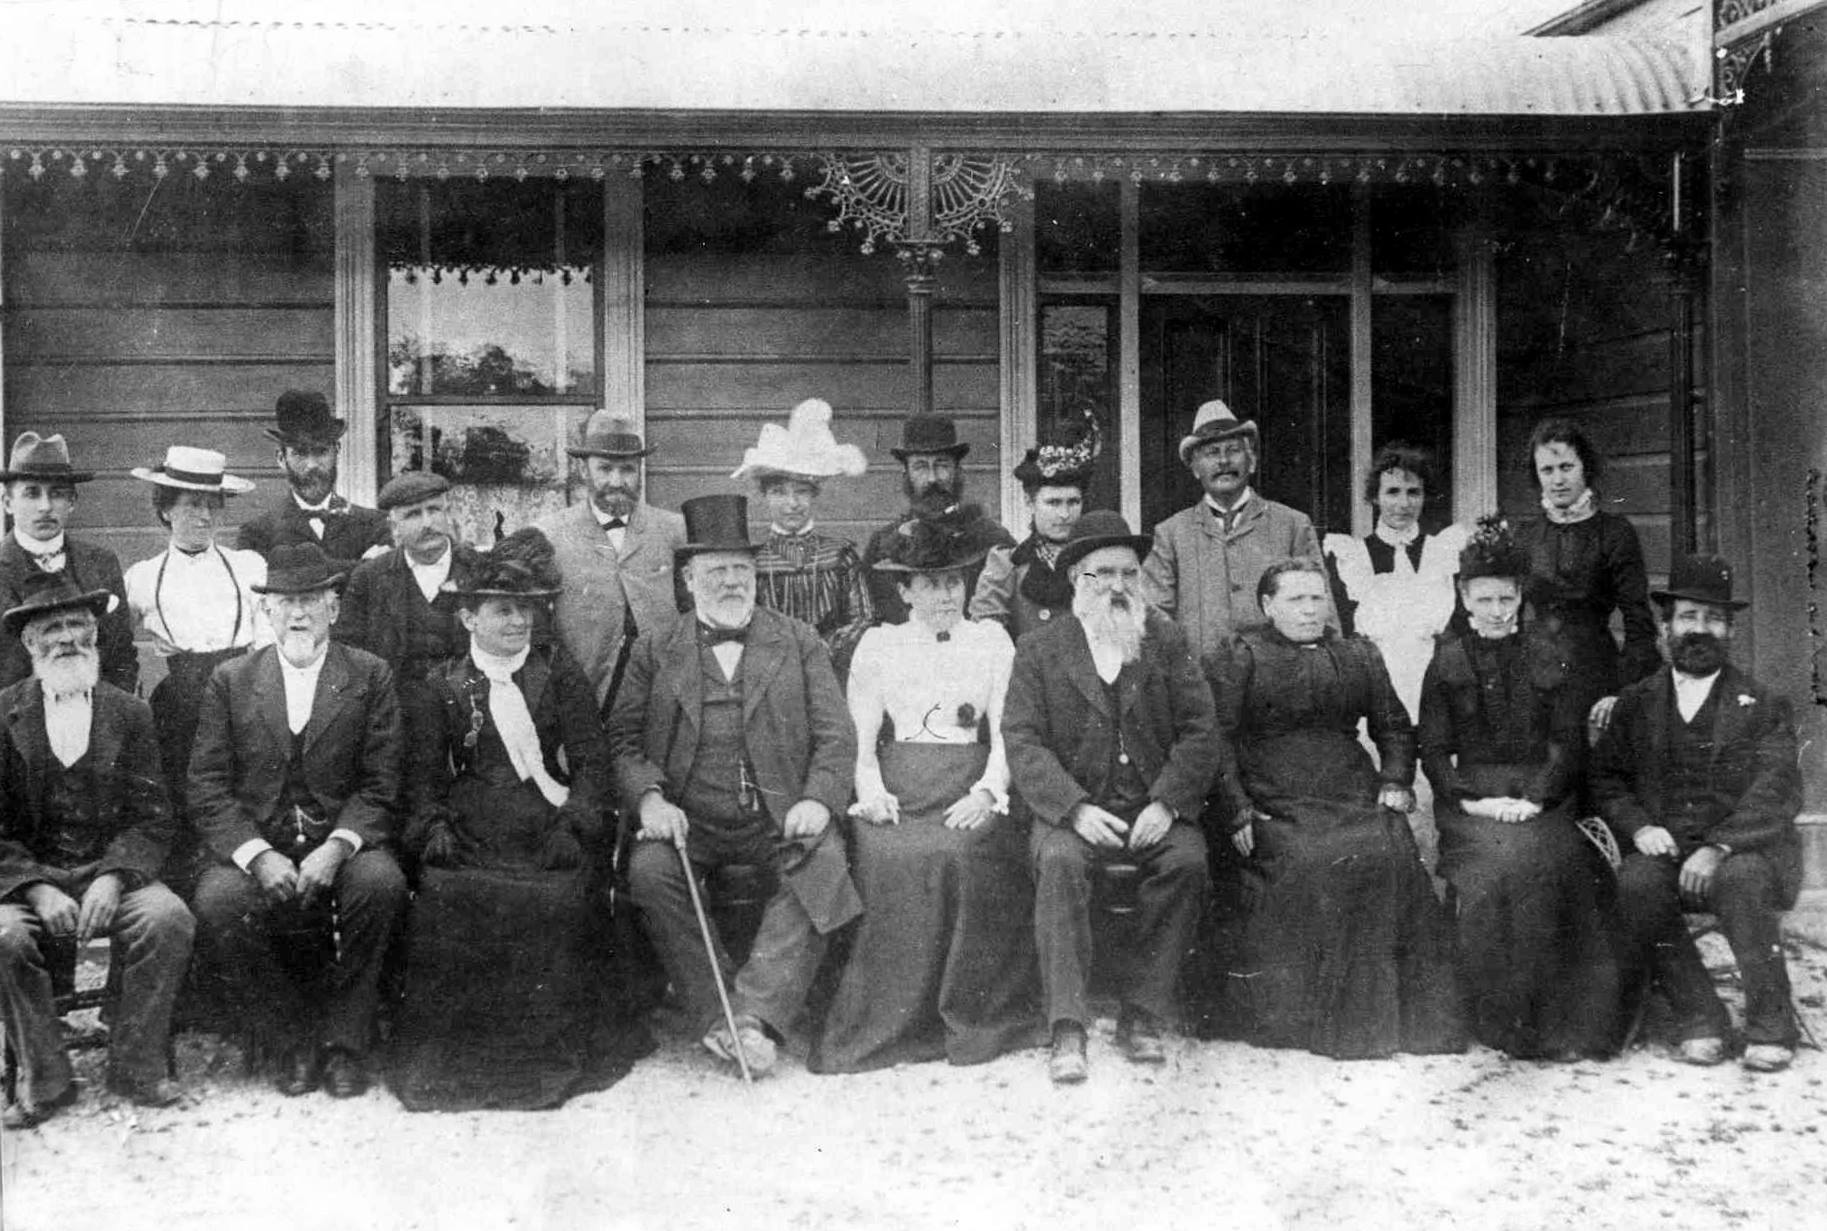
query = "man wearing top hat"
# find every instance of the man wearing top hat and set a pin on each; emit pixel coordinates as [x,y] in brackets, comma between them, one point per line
[615,553]
[307,438]
[733,745]
[293,787]
[1207,559]
[1022,587]
[1113,743]
[84,829]
[40,494]
[932,470]
[1697,774]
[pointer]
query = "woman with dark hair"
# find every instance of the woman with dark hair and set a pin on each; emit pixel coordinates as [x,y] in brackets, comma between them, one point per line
[1585,563]
[1501,730]
[1344,951]
[1020,587]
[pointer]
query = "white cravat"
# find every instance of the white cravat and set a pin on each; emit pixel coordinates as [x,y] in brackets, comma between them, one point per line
[66,725]
[507,705]
[49,557]
[1691,693]
[300,689]
[431,577]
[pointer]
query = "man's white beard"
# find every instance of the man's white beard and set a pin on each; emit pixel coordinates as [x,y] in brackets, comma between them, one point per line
[300,648]
[69,675]
[1110,628]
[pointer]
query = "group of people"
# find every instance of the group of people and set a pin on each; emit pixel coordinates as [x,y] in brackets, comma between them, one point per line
[484,794]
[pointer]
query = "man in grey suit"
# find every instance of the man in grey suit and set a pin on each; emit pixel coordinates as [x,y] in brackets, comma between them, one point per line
[615,553]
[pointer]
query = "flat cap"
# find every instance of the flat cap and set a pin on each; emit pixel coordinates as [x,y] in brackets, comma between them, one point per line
[410,488]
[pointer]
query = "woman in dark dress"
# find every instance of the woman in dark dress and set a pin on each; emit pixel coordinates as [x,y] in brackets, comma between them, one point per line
[508,773]
[1501,728]
[1345,951]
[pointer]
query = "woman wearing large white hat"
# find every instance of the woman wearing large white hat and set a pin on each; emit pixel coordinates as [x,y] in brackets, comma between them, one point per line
[809,576]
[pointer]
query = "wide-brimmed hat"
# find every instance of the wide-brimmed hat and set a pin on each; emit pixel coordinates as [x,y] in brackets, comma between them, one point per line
[299,568]
[1100,528]
[804,448]
[607,434]
[1700,579]
[522,565]
[194,470]
[410,488]
[1065,459]
[716,523]
[1214,421]
[44,593]
[929,434]
[42,457]
[931,545]
[304,418]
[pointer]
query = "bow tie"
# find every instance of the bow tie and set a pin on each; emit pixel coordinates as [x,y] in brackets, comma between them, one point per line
[718,636]
[615,523]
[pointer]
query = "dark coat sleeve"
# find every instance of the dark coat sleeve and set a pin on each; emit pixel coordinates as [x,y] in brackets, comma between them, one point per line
[579,726]
[1772,796]
[1036,772]
[1391,729]
[1615,762]
[357,609]
[1228,671]
[1559,772]
[431,719]
[148,823]
[1437,735]
[211,796]
[1199,753]
[635,772]
[369,810]
[831,773]
[1630,592]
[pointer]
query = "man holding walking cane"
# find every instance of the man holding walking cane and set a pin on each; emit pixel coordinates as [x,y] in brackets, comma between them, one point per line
[733,745]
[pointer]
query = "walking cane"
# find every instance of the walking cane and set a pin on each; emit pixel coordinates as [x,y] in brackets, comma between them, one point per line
[710,948]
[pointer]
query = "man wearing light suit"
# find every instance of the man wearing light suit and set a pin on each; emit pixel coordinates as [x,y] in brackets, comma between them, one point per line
[615,553]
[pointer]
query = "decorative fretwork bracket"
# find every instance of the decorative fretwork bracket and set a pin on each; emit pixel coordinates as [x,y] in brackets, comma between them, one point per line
[919,200]
[1745,33]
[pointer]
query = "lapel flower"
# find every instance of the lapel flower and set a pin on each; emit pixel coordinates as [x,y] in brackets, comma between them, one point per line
[1746,700]
[967,715]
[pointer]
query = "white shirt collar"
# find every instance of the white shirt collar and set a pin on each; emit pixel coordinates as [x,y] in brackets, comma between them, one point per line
[33,546]
[67,723]
[790,534]
[1234,509]
[494,666]
[1694,683]
[321,507]
[430,577]
[300,688]
[603,519]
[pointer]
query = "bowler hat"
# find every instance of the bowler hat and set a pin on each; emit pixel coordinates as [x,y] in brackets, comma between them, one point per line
[194,470]
[1700,579]
[299,568]
[716,523]
[44,593]
[1214,421]
[304,418]
[1096,529]
[929,434]
[42,457]
[410,488]
[607,434]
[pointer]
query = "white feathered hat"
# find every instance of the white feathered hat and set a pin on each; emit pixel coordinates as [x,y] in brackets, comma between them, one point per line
[804,447]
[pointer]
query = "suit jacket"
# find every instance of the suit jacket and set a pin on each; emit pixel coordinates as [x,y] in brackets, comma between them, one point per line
[1206,579]
[347,536]
[130,827]
[384,612]
[351,751]
[601,584]
[1059,728]
[92,568]
[1754,777]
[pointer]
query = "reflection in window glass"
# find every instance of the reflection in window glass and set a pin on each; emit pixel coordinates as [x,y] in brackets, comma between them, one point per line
[1078,384]
[507,461]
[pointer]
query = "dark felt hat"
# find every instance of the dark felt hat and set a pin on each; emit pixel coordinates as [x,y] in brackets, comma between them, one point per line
[42,457]
[607,434]
[44,593]
[304,418]
[1700,579]
[410,488]
[1100,528]
[299,568]
[930,545]
[716,523]
[522,565]
[929,434]
[1493,551]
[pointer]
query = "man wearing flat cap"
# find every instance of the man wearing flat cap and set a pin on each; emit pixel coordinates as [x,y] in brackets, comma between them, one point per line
[84,829]
[932,473]
[1207,559]
[39,495]
[307,439]
[1697,774]
[615,553]
[293,788]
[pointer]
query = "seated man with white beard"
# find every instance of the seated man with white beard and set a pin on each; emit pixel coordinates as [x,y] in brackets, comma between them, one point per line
[1112,746]
[84,828]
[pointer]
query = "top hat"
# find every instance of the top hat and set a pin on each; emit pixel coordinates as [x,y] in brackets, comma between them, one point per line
[930,545]
[194,470]
[1700,579]
[1214,421]
[410,487]
[804,448]
[42,457]
[929,434]
[44,593]
[1493,551]
[607,434]
[304,418]
[299,568]
[1100,528]
[522,565]
[716,523]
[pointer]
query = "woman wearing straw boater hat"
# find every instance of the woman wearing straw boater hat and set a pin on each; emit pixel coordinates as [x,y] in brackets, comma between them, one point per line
[799,572]
[195,598]
[943,965]
[1020,587]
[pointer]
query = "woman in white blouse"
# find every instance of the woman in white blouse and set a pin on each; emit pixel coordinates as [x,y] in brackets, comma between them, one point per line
[943,963]
[194,598]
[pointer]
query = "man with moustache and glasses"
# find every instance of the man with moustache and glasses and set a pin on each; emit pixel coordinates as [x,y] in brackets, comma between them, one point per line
[1112,744]
[84,828]
[307,439]
[1697,773]
[932,469]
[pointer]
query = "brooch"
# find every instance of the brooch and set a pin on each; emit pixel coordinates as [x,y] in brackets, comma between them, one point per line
[1745,699]
[967,715]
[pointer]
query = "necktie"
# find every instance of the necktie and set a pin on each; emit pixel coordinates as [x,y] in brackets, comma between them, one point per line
[49,561]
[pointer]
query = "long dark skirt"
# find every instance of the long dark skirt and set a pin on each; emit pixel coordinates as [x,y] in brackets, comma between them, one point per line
[943,964]
[1535,917]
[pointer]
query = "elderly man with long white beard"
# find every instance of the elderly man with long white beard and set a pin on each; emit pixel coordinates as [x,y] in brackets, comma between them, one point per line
[85,825]
[1112,746]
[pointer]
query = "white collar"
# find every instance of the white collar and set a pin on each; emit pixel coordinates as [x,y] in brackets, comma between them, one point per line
[1694,683]
[437,567]
[790,534]
[33,547]
[323,507]
[309,670]
[603,519]
[1398,540]
[494,666]
[1235,508]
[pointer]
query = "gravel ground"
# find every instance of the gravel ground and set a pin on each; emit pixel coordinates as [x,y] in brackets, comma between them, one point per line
[1225,1135]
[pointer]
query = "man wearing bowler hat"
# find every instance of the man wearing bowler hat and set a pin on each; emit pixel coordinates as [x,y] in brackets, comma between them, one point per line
[932,469]
[615,553]
[307,438]
[1697,774]
[1207,559]
[733,745]
[39,495]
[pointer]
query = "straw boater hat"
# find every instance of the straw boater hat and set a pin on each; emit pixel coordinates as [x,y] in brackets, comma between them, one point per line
[1214,421]
[194,470]
[522,565]
[607,434]
[930,545]
[1096,529]
[803,449]
[299,568]
[42,457]
[1701,579]
[304,418]
[44,593]
[929,434]
[715,523]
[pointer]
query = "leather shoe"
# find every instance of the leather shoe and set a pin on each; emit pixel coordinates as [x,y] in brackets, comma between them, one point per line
[159,1092]
[1066,1066]
[1140,1040]
[297,1072]
[757,1048]
[345,1076]
[20,1114]
[1767,1057]
[1705,1052]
